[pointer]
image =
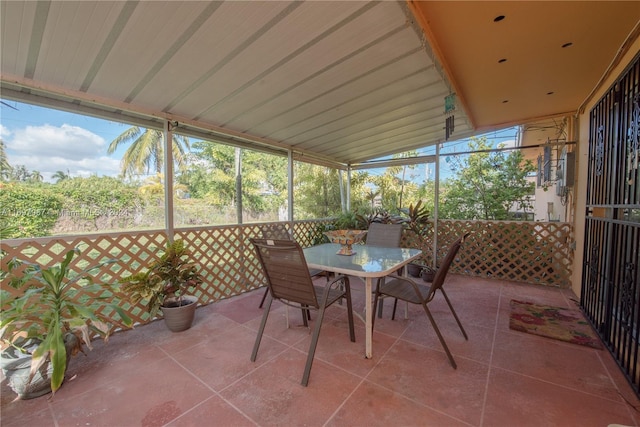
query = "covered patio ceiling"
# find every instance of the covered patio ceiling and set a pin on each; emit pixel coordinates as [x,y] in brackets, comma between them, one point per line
[339,83]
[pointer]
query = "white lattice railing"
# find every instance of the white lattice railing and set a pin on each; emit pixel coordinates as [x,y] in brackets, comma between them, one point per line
[531,252]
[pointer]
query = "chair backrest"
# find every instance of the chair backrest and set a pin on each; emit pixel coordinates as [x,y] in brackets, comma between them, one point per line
[286,271]
[276,231]
[441,272]
[385,235]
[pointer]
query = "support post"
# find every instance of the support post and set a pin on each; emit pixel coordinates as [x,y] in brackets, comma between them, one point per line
[168,179]
[436,203]
[348,188]
[290,190]
[238,165]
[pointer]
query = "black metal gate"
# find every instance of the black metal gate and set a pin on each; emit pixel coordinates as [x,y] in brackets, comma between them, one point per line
[611,271]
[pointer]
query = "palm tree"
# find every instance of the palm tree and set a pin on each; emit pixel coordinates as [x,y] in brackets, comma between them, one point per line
[146,153]
[35,176]
[5,167]
[395,170]
[371,197]
[61,176]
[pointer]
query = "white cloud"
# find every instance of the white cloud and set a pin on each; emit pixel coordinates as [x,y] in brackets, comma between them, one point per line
[48,149]
[70,142]
[4,132]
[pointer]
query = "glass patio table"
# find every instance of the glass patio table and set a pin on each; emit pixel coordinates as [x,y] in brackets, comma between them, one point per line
[369,262]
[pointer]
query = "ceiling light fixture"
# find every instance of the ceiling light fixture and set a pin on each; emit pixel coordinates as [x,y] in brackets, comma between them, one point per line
[498,18]
[505,101]
[500,61]
[550,93]
[567,44]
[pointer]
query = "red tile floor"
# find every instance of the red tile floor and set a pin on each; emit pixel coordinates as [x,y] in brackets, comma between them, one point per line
[203,377]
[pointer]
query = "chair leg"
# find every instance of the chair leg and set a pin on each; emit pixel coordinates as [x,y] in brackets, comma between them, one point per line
[305,315]
[440,337]
[261,329]
[312,347]
[454,314]
[266,292]
[395,306]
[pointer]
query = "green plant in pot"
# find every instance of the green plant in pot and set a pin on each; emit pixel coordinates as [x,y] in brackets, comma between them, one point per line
[165,284]
[416,223]
[55,313]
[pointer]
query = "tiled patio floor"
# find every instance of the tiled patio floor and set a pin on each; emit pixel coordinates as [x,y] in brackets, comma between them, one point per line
[203,376]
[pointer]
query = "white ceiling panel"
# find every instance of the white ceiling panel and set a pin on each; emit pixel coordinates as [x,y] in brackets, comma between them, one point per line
[337,82]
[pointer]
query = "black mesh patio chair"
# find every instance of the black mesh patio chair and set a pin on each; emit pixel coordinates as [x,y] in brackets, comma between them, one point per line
[279,232]
[386,236]
[289,281]
[405,289]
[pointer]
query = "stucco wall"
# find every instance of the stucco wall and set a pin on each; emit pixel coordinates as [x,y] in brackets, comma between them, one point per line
[582,151]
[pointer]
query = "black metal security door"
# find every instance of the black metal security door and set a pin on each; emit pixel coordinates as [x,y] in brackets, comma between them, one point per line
[610,288]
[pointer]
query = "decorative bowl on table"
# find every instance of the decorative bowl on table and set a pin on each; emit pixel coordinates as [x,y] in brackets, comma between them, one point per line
[346,238]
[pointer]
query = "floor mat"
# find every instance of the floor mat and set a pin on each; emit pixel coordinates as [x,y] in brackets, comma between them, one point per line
[562,324]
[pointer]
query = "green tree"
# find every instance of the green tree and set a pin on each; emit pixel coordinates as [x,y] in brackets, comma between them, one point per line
[153,188]
[19,173]
[146,152]
[388,185]
[487,184]
[402,170]
[316,192]
[5,167]
[211,175]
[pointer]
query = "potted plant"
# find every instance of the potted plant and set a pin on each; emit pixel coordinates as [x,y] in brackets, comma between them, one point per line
[416,223]
[165,285]
[54,315]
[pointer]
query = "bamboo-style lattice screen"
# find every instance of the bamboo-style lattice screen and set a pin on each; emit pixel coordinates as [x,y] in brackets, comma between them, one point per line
[520,251]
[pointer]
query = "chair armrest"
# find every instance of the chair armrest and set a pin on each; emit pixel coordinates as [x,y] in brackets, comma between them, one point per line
[335,283]
[413,284]
[337,279]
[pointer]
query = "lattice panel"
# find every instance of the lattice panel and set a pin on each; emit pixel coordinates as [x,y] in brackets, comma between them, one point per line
[519,251]
[531,252]
[305,232]
[131,250]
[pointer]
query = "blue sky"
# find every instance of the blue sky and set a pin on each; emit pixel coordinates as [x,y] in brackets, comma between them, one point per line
[49,140]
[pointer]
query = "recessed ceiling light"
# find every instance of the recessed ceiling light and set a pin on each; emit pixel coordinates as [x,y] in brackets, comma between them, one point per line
[505,101]
[567,44]
[498,18]
[500,61]
[550,93]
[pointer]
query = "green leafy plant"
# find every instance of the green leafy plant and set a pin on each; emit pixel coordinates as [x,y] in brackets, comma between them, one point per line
[166,280]
[346,221]
[55,302]
[380,215]
[417,219]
